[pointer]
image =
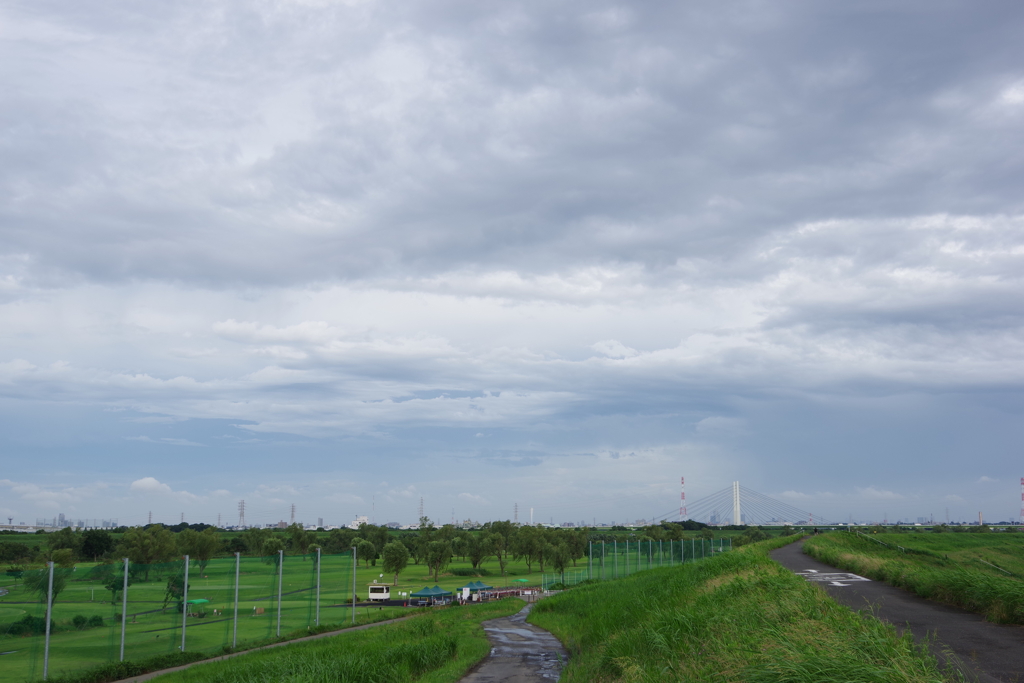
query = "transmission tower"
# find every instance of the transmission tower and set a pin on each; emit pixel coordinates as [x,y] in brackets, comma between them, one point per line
[421,508]
[150,517]
[293,513]
[1022,500]
[515,508]
[241,513]
[682,498]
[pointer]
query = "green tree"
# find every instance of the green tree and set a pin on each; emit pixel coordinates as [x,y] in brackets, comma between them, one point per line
[199,546]
[298,538]
[478,547]
[577,543]
[175,590]
[147,546]
[426,535]
[15,571]
[560,557]
[366,551]
[497,542]
[38,581]
[706,534]
[64,539]
[255,538]
[272,550]
[339,541]
[439,554]
[115,582]
[528,545]
[96,543]
[396,558]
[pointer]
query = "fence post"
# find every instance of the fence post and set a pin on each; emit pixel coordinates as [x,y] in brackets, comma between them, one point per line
[49,616]
[184,605]
[280,581]
[318,585]
[602,560]
[124,606]
[354,584]
[670,555]
[238,563]
[615,556]
[590,562]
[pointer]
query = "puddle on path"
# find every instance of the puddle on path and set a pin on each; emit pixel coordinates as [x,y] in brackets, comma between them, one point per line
[520,653]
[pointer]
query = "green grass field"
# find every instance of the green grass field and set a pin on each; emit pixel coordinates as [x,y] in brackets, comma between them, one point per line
[436,647]
[983,573]
[736,617]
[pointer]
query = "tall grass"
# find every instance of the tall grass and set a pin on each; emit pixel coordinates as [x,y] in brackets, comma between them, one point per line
[435,647]
[736,617]
[999,598]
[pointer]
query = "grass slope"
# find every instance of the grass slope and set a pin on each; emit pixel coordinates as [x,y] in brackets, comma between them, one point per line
[434,647]
[944,569]
[736,617]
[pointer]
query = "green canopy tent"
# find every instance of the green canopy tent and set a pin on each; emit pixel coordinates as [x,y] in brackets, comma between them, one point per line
[198,602]
[431,593]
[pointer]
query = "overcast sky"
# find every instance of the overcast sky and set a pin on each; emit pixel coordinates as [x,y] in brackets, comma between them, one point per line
[345,255]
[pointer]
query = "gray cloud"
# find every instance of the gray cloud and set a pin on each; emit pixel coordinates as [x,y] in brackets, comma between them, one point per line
[590,228]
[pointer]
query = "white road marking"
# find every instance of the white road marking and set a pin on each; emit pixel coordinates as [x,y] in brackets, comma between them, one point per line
[831,578]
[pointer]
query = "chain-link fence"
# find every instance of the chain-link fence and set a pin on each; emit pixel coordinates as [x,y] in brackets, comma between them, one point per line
[615,559]
[225,603]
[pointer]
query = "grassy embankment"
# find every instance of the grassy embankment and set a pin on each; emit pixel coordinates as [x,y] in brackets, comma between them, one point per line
[736,617]
[435,647]
[977,572]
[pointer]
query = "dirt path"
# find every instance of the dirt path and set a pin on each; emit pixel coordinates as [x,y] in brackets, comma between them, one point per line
[991,652]
[520,653]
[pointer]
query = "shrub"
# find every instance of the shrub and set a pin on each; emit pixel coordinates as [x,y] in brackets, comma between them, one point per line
[95,620]
[79,621]
[469,571]
[29,625]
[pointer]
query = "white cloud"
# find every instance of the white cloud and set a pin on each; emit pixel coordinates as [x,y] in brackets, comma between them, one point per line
[149,485]
[473,498]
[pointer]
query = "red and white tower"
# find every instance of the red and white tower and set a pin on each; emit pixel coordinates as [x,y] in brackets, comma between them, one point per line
[682,498]
[1022,500]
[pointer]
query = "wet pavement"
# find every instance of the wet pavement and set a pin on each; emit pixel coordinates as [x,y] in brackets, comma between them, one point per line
[986,652]
[520,653]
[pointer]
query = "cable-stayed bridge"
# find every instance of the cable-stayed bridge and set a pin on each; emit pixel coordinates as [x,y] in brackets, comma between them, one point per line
[740,505]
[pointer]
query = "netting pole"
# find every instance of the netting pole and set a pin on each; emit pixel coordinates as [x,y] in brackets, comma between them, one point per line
[615,556]
[280,586]
[49,617]
[238,566]
[318,586]
[670,555]
[124,606]
[602,560]
[590,562]
[354,584]
[184,606]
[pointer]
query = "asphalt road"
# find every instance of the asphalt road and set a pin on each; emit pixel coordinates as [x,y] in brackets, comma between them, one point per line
[989,652]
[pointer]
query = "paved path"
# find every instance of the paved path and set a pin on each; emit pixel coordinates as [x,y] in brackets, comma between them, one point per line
[991,652]
[520,653]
